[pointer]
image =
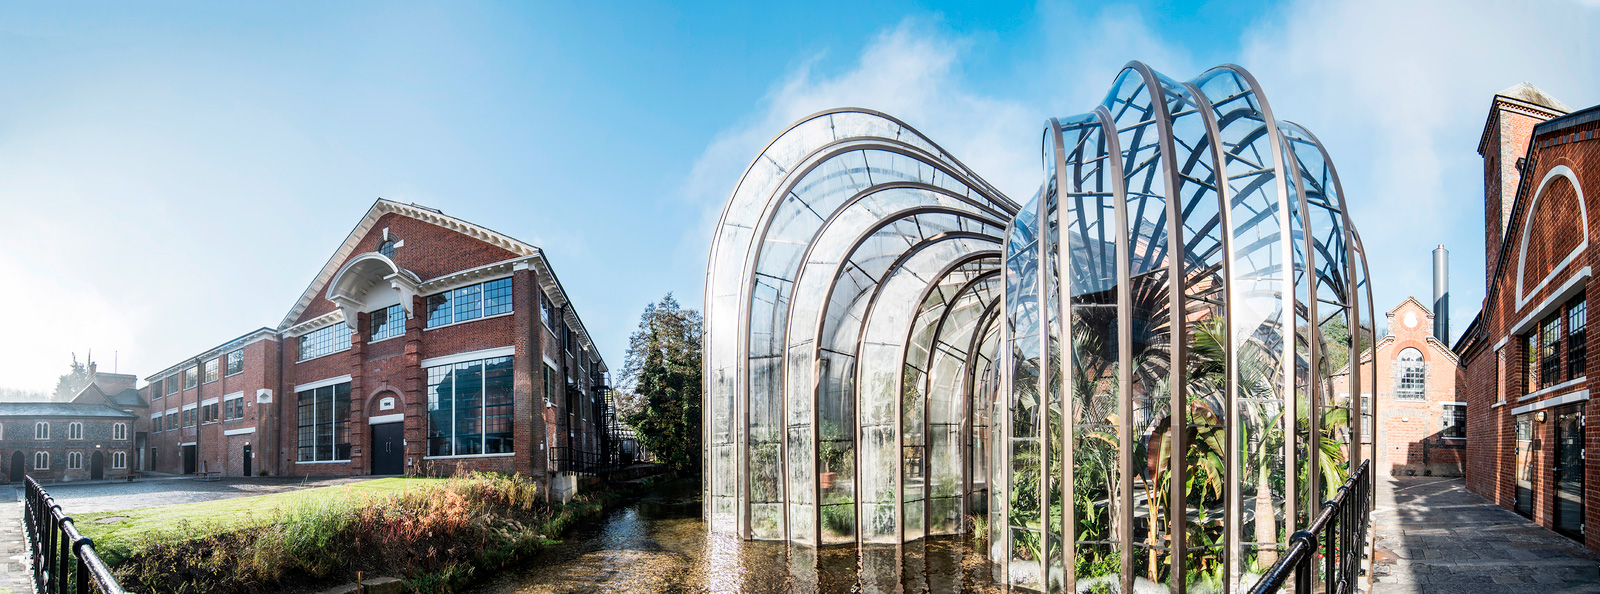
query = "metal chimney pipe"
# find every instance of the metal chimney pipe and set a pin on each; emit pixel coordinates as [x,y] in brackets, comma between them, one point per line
[1441,294]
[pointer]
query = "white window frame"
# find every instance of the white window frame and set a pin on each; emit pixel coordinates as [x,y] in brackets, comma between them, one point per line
[1402,367]
[119,432]
[229,355]
[41,431]
[1445,414]
[37,457]
[74,460]
[75,431]
[119,460]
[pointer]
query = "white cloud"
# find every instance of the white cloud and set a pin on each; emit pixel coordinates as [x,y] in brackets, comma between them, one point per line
[913,72]
[1399,93]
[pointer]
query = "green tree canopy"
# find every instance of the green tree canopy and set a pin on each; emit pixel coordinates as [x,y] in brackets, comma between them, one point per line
[661,383]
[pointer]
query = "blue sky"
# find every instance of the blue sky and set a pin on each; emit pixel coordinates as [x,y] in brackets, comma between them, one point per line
[173,176]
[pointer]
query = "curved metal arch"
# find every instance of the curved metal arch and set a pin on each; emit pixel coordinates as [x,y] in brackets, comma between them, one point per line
[902,361]
[860,343]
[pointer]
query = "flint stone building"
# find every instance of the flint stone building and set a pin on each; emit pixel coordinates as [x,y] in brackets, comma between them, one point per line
[89,438]
[425,345]
[1528,353]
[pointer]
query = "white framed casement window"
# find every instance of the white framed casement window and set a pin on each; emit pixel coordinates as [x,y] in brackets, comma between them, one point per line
[74,460]
[41,460]
[74,430]
[235,362]
[213,369]
[119,431]
[41,430]
[1453,421]
[1411,376]
[119,459]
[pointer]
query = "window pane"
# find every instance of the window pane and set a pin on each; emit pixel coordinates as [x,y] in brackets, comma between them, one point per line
[341,422]
[497,405]
[1577,347]
[497,297]
[307,426]
[325,341]
[469,408]
[468,302]
[438,309]
[441,408]
[324,423]
[235,362]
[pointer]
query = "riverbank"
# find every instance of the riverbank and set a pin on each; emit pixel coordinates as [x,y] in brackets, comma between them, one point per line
[435,534]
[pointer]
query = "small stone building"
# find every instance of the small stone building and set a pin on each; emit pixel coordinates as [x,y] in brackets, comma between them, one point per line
[89,438]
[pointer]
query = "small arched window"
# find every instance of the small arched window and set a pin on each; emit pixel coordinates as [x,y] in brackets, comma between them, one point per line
[1411,376]
[387,249]
[41,460]
[41,430]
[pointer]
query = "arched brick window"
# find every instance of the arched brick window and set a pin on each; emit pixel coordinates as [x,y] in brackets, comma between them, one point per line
[1411,376]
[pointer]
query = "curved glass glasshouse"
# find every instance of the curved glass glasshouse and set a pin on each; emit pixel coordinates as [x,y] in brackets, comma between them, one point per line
[1129,378]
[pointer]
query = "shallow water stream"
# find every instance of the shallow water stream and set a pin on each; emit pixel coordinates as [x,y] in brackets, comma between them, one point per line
[659,544]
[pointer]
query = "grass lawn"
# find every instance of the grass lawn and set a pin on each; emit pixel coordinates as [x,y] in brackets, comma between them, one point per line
[116,541]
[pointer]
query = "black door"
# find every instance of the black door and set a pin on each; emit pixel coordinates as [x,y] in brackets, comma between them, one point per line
[388,453]
[1569,472]
[97,467]
[189,453]
[247,460]
[16,467]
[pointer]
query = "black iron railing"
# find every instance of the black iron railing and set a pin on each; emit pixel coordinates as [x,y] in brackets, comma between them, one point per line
[63,559]
[1326,556]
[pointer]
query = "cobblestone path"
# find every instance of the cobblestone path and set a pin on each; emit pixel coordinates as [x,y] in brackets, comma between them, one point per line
[1434,536]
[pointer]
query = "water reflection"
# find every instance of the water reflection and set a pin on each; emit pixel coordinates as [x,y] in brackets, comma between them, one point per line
[660,545]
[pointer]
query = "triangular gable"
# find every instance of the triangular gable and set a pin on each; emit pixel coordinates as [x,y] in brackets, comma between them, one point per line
[91,394]
[1410,299]
[421,213]
[522,250]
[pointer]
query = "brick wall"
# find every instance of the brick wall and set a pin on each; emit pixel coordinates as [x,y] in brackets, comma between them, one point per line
[17,437]
[1553,228]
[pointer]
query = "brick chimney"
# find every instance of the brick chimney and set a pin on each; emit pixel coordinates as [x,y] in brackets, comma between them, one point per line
[1512,115]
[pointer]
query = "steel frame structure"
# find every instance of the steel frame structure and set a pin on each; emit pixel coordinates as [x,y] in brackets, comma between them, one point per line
[893,345]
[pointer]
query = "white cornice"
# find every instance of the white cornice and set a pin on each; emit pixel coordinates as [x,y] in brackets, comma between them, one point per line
[232,345]
[314,324]
[470,276]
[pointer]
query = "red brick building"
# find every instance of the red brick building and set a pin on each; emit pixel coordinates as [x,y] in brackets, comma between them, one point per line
[426,344]
[1421,417]
[1529,351]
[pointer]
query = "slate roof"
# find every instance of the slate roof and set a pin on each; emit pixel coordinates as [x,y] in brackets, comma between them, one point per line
[128,397]
[61,409]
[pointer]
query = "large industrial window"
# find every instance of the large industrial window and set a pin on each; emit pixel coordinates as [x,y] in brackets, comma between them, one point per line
[387,322]
[1577,322]
[1550,350]
[233,409]
[1411,374]
[236,362]
[324,423]
[325,341]
[155,389]
[469,408]
[1454,421]
[213,368]
[469,303]
[155,423]
[172,386]
[191,376]
[550,386]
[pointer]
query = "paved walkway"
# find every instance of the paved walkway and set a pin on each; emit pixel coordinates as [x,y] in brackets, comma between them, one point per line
[15,576]
[1434,536]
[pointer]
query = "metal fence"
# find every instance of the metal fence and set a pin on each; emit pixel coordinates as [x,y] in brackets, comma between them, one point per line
[1326,556]
[63,559]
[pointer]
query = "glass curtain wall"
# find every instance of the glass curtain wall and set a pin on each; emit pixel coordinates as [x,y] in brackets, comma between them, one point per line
[1129,377]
